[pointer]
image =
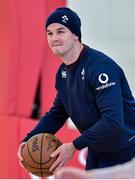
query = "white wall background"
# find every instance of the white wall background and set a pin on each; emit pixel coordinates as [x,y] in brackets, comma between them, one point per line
[109,26]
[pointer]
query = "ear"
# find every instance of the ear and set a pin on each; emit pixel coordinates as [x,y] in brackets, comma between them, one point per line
[76,37]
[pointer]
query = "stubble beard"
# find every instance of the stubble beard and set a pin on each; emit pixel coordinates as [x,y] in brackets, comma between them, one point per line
[59,53]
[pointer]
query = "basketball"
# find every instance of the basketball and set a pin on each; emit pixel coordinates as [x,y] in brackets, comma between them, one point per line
[36,154]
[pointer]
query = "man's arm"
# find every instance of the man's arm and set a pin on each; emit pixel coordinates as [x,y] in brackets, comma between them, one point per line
[105,135]
[52,121]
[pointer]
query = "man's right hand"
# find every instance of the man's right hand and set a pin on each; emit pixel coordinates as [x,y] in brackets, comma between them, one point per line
[19,153]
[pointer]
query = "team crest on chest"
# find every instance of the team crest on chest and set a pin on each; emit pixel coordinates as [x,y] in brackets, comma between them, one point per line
[64,74]
[83,74]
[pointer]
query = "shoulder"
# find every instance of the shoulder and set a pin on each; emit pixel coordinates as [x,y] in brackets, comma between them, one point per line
[99,65]
[96,60]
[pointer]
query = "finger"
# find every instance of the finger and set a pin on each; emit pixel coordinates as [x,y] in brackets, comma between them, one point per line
[21,164]
[55,153]
[20,157]
[58,168]
[20,151]
[19,154]
[55,164]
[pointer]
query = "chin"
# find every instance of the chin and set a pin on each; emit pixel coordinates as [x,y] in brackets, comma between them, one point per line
[58,53]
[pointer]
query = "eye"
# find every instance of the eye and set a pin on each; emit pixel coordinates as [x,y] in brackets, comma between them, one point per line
[49,33]
[61,32]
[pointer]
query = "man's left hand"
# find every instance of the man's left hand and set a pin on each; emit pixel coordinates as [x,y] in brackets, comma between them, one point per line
[65,152]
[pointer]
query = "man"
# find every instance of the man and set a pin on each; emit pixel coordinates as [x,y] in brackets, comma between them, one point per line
[124,171]
[92,90]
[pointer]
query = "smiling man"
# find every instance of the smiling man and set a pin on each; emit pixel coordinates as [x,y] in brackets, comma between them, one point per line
[93,91]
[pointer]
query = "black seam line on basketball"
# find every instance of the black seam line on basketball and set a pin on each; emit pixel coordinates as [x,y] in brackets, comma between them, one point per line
[41,153]
[34,160]
[48,159]
[44,173]
[35,167]
[30,155]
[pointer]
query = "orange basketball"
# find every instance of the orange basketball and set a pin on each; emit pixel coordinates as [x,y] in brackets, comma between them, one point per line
[36,154]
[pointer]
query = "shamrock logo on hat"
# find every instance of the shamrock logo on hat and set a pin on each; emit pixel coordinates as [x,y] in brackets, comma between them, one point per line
[64,18]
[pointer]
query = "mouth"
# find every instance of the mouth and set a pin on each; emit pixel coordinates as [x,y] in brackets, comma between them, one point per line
[56,45]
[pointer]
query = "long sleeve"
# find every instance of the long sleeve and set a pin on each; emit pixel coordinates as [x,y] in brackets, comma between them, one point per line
[105,135]
[52,121]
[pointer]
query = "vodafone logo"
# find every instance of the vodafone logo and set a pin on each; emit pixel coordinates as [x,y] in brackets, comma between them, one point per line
[103,78]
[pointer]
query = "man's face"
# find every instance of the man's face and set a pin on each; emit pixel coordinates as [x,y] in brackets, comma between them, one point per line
[60,39]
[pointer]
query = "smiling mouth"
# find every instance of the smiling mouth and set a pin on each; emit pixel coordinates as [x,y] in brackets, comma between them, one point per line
[56,45]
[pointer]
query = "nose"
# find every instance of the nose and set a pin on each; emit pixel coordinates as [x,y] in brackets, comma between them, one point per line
[55,37]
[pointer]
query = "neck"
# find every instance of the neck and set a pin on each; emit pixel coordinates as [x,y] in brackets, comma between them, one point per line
[73,54]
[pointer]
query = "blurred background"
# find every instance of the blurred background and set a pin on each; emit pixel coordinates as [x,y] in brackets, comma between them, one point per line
[27,67]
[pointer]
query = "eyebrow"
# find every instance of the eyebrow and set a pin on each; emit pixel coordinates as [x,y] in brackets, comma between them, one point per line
[61,28]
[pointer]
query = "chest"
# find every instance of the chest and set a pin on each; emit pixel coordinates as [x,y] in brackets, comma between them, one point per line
[74,84]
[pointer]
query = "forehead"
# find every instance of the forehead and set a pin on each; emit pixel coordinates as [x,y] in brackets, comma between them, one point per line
[56,26]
